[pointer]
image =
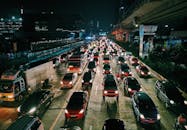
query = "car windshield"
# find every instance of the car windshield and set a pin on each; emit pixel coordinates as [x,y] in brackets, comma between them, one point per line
[74,64]
[143,68]
[110,84]
[91,65]
[68,76]
[146,104]
[124,67]
[133,83]
[87,76]
[171,90]
[121,59]
[6,86]
[106,67]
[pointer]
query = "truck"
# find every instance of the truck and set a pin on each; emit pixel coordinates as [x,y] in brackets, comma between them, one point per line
[17,83]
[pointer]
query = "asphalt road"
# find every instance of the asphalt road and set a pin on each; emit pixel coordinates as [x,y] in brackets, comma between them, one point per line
[98,110]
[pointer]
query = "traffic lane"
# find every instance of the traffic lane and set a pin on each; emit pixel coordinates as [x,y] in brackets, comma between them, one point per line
[96,113]
[99,111]
[167,117]
[7,116]
[54,118]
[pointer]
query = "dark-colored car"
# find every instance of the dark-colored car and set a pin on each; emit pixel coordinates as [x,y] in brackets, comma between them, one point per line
[131,85]
[125,70]
[169,94]
[77,105]
[87,79]
[96,61]
[92,66]
[106,59]
[26,122]
[110,87]
[106,69]
[69,80]
[133,61]
[37,103]
[142,71]
[113,124]
[144,109]
[121,60]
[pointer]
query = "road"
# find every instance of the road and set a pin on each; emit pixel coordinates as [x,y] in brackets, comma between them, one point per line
[98,110]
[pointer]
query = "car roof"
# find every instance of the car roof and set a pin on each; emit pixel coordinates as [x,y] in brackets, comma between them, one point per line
[22,123]
[114,124]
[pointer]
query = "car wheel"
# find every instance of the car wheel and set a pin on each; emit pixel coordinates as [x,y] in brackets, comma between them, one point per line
[103,98]
[117,98]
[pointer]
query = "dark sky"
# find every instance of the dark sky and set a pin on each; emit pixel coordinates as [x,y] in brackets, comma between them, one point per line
[104,11]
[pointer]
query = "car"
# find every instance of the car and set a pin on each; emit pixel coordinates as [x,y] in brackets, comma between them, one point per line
[144,109]
[113,124]
[110,87]
[96,61]
[120,60]
[26,122]
[131,85]
[75,67]
[87,79]
[37,103]
[106,59]
[92,66]
[96,55]
[142,71]
[125,70]
[170,95]
[133,61]
[77,106]
[106,69]
[128,55]
[69,80]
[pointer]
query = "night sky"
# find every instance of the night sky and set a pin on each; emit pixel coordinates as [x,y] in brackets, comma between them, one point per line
[104,11]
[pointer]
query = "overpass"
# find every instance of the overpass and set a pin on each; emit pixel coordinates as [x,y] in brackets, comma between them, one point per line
[164,13]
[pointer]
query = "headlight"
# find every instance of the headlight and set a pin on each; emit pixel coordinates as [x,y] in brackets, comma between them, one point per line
[123,72]
[140,89]
[82,81]
[171,102]
[116,92]
[105,92]
[68,69]
[70,82]
[10,96]
[142,116]
[142,72]
[81,111]
[32,110]
[66,111]
[129,89]
[18,109]
[149,73]
[90,81]
[61,82]
[158,116]
[185,102]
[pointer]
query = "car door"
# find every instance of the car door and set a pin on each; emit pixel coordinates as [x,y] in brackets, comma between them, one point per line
[135,105]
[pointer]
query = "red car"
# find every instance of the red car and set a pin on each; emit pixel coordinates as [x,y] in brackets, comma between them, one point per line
[143,71]
[133,61]
[77,105]
[110,87]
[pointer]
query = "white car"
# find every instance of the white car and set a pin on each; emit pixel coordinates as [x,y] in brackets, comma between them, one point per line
[128,54]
